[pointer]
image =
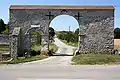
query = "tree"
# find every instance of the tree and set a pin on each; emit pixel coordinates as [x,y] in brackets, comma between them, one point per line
[2,26]
[117,33]
[77,31]
[76,34]
[6,31]
[51,33]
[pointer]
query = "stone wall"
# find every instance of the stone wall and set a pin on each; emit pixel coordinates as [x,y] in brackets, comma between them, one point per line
[4,39]
[99,36]
[96,25]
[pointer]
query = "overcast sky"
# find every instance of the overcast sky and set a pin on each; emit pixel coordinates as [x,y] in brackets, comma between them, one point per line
[60,23]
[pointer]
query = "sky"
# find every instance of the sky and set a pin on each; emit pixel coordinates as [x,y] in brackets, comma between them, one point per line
[64,22]
[5,4]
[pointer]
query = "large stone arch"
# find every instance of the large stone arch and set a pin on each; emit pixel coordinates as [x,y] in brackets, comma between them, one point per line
[96,23]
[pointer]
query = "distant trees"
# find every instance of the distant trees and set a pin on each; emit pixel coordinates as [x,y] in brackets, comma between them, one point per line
[76,34]
[2,26]
[117,33]
[6,31]
[69,36]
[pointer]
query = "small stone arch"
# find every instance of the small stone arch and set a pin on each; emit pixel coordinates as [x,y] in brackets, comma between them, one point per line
[45,44]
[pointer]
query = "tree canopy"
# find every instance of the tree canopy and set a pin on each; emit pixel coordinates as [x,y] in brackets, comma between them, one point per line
[117,33]
[69,36]
[2,26]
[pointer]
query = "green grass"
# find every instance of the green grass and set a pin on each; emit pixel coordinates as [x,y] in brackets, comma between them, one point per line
[37,47]
[53,47]
[92,59]
[23,60]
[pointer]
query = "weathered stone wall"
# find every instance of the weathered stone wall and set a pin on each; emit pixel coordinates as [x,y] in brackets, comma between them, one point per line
[97,30]
[99,36]
[26,18]
[4,39]
[96,25]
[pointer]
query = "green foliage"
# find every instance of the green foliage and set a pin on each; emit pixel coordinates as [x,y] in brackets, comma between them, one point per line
[92,59]
[39,37]
[117,33]
[76,34]
[2,26]
[69,36]
[6,31]
[53,47]
[36,47]
[51,33]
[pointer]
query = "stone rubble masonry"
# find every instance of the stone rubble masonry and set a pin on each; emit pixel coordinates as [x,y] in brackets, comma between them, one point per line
[4,39]
[96,23]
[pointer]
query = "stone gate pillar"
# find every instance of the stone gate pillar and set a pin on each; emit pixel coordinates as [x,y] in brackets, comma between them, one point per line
[14,44]
[15,38]
[45,43]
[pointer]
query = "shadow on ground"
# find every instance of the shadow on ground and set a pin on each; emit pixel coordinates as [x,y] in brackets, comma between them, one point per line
[62,54]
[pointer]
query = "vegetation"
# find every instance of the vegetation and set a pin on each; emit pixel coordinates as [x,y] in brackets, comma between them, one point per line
[6,31]
[23,60]
[92,59]
[117,38]
[38,36]
[69,37]
[51,33]
[53,47]
[36,46]
[2,26]
[117,33]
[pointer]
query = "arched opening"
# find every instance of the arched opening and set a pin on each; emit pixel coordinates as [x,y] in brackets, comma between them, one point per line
[63,22]
[66,30]
[33,41]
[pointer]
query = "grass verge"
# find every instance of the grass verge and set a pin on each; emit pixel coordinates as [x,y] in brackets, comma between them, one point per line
[92,59]
[23,60]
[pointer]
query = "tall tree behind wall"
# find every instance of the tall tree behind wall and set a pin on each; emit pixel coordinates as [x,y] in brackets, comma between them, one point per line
[117,33]
[2,26]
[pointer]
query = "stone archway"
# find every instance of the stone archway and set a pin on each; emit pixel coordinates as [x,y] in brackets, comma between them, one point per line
[61,23]
[45,44]
[96,22]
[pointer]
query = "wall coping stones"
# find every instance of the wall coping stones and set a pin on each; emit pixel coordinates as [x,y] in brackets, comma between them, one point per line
[58,7]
